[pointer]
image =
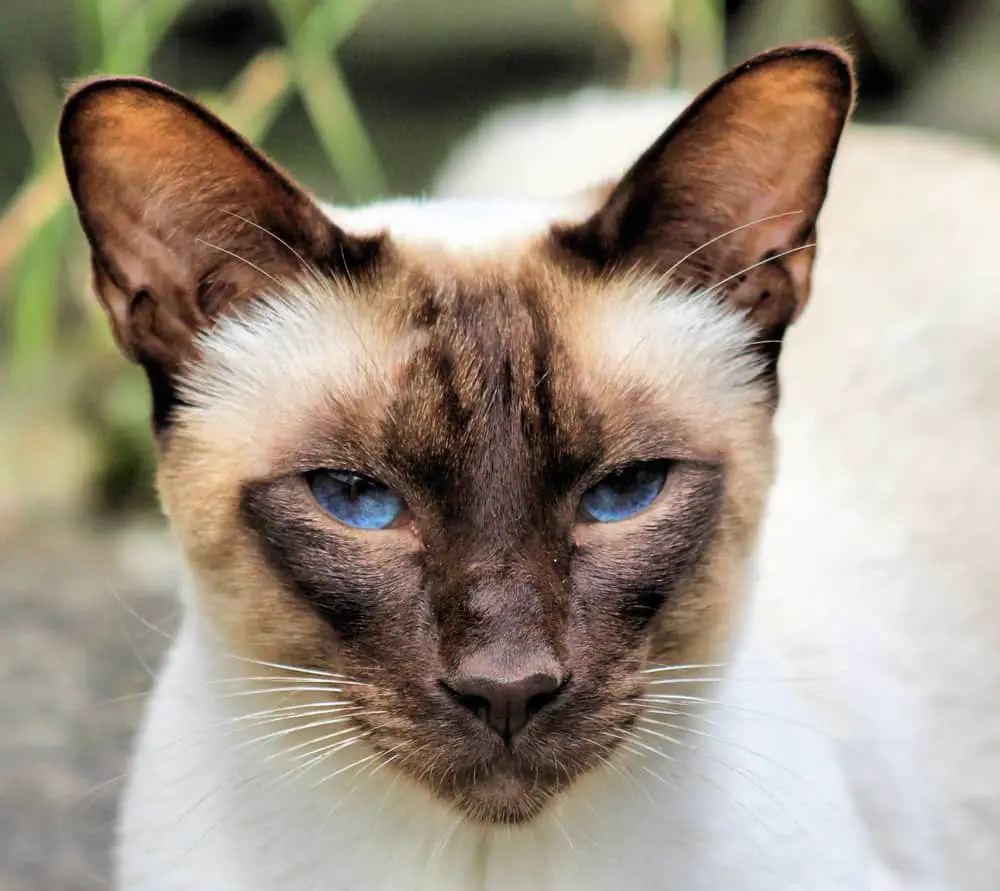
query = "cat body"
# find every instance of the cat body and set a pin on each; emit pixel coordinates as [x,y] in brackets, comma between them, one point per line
[487,584]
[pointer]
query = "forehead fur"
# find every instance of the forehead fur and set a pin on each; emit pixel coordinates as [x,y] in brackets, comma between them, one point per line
[629,346]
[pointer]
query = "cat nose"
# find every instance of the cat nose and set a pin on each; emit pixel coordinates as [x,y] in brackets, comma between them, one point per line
[506,704]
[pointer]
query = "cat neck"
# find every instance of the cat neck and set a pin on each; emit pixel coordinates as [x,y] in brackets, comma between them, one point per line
[703,796]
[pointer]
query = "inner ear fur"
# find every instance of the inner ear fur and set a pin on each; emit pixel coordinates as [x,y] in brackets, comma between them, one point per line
[184,218]
[728,197]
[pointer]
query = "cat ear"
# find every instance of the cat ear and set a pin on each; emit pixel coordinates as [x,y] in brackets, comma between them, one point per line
[184,218]
[738,179]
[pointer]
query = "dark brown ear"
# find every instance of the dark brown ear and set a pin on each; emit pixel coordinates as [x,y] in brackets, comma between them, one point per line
[737,180]
[184,218]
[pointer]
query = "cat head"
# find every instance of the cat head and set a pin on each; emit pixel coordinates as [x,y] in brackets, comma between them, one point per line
[484,463]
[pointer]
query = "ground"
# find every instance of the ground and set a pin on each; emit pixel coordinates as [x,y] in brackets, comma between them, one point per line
[74,665]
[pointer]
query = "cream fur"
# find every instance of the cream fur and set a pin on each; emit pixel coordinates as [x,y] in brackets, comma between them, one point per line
[879,568]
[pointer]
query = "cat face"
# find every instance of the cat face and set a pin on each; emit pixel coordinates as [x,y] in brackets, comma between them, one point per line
[485,463]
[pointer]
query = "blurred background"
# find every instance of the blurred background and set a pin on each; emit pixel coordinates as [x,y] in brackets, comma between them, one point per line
[357,98]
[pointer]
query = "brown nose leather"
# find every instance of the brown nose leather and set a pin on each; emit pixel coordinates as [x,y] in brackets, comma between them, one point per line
[505,705]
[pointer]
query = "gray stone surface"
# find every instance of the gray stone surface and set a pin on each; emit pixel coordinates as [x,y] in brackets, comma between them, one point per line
[75,662]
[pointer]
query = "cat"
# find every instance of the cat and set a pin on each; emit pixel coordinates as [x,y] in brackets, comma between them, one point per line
[469,495]
[888,429]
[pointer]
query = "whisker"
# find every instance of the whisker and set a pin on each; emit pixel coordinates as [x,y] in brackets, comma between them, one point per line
[727,742]
[236,256]
[692,667]
[146,623]
[277,734]
[308,267]
[294,716]
[341,719]
[332,705]
[311,742]
[317,758]
[661,681]
[438,852]
[234,694]
[765,788]
[634,740]
[711,241]
[281,666]
[647,769]
[285,679]
[671,698]
[763,262]
[341,770]
[675,713]
[666,737]
[392,754]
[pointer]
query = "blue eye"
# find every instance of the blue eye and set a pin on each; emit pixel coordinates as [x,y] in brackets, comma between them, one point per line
[624,493]
[355,500]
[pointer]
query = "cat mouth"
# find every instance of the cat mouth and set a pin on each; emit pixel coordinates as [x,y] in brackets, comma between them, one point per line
[505,790]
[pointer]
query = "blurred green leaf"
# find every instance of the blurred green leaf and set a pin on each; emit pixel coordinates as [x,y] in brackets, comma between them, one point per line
[891,31]
[35,309]
[312,39]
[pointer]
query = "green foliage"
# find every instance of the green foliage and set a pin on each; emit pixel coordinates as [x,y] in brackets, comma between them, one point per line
[42,324]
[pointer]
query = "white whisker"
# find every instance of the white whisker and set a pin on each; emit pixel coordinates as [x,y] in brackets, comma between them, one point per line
[763,262]
[268,690]
[312,742]
[308,267]
[631,737]
[331,705]
[353,764]
[277,734]
[698,680]
[711,241]
[236,256]
[673,698]
[693,667]
[282,667]
[285,679]
[234,727]
[666,737]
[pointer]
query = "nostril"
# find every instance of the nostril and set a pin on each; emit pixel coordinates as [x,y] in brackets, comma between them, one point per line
[538,701]
[478,705]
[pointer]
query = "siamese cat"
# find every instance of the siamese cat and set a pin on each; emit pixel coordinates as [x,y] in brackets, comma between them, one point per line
[474,499]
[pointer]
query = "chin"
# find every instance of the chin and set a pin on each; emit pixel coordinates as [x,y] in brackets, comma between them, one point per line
[503,801]
[507,789]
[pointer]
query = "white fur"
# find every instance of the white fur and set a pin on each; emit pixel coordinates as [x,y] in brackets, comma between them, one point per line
[462,224]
